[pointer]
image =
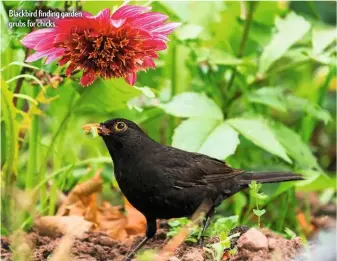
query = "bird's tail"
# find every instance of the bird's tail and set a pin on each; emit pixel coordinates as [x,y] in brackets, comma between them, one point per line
[267,177]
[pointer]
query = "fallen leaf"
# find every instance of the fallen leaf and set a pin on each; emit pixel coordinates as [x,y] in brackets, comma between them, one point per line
[83,201]
[53,226]
[136,222]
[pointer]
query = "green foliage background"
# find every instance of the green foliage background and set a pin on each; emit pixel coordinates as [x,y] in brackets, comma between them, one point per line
[246,82]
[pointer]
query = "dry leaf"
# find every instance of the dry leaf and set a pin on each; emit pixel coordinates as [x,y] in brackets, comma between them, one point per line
[136,222]
[55,225]
[82,201]
[81,197]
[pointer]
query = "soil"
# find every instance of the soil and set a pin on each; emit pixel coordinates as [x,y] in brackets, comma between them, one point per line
[98,246]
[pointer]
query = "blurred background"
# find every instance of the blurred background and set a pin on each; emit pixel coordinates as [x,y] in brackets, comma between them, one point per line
[252,83]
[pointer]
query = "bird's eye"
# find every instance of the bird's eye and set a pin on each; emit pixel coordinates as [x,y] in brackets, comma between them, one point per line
[120,126]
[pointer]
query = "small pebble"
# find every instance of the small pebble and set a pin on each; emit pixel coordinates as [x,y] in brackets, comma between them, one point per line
[253,240]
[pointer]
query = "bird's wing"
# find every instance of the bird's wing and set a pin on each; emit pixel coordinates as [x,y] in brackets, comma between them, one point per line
[215,170]
[192,169]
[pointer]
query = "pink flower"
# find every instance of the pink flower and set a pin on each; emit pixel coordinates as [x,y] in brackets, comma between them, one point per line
[107,45]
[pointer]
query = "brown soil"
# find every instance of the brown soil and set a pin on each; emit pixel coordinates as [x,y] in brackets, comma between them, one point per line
[97,246]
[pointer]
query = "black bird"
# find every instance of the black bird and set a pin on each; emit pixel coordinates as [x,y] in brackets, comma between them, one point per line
[163,182]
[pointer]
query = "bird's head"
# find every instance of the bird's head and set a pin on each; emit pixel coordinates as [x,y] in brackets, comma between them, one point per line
[118,133]
[115,128]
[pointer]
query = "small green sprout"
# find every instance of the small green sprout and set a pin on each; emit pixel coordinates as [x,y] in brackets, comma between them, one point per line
[254,189]
[289,233]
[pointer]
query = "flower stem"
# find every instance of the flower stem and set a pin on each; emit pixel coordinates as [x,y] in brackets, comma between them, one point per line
[33,144]
[248,22]
[43,168]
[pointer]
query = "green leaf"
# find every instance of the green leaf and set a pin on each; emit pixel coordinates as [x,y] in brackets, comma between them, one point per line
[105,96]
[276,98]
[221,143]
[211,138]
[322,39]
[283,39]
[188,32]
[258,131]
[259,212]
[291,234]
[301,153]
[201,129]
[272,97]
[146,91]
[192,104]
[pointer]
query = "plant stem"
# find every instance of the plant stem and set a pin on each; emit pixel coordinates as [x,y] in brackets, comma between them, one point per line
[244,39]
[43,168]
[33,143]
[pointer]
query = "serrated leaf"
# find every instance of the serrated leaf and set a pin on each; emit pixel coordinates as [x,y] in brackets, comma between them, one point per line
[259,212]
[294,146]
[221,143]
[272,97]
[192,104]
[258,131]
[283,39]
[211,138]
[183,139]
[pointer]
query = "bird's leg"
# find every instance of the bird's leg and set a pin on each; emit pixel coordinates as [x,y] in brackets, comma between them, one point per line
[207,221]
[150,232]
[130,254]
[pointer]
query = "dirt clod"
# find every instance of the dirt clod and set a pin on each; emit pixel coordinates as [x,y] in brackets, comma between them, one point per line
[98,246]
[265,245]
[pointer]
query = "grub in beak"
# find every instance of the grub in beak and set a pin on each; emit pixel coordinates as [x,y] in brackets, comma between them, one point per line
[95,129]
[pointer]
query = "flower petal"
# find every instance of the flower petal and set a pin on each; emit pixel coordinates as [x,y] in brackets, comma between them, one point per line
[118,23]
[149,63]
[31,39]
[166,28]
[129,11]
[103,15]
[149,20]
[38,55]
[54,56]
[45,43]
[88,78]
[131,78]
[71,68]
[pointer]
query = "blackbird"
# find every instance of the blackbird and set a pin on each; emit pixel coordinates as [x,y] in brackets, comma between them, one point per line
[163,182]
